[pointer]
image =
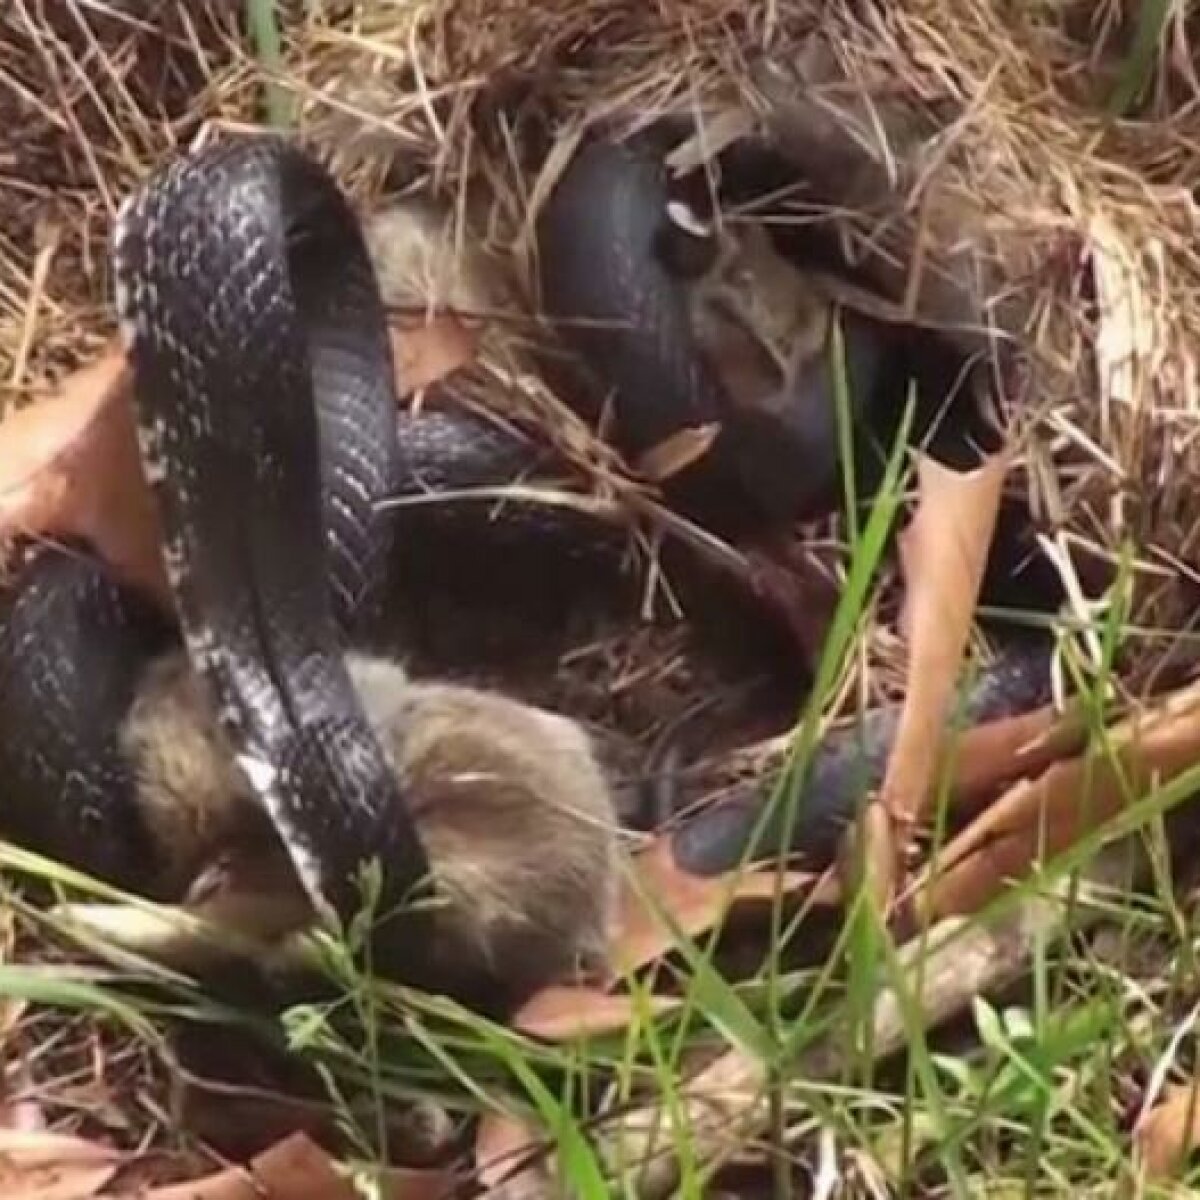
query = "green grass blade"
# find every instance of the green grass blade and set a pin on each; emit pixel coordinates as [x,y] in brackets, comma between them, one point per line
[262,20]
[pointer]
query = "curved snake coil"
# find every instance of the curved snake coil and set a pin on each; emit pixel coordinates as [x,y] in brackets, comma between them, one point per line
[261,363]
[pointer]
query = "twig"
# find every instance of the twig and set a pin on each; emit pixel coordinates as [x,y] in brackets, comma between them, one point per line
[960,958]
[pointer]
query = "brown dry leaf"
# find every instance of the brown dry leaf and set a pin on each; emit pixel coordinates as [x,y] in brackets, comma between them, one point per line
[1040,817]
[69,467]
[53,1166]
[696,903]
[430,350]
[676,452]
[412,1183]
[1170,1131]
[564,1013]
[943,551]
[293,1169]
[996,754]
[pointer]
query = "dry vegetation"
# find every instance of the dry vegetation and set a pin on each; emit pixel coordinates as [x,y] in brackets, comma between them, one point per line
[989,149]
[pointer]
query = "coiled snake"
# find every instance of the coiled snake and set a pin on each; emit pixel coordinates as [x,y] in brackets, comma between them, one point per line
[266,415]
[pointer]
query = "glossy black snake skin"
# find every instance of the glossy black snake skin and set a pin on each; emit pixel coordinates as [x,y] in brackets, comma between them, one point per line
[267,421]
[72,644]
[231,392]
[616,302]
[758,820]
[614,288]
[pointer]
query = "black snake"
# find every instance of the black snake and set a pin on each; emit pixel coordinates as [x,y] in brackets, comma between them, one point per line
[267,419]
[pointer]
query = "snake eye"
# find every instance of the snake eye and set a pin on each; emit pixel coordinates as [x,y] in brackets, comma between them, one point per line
[686,244]
[680,213]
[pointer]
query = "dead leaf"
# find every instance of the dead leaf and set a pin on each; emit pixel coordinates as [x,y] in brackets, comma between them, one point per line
[53,1166]
[69,467]
[995,754]
[1040,817]
[564,1013]
[695,902]
[410,1183]
[1170,1131]
[943,551]
[293,1169]
[429,350]
[674,453]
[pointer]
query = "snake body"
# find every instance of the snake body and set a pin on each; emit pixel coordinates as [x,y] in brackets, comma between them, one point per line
[758,822]
[266,416]
[246,545]
[618,307]
[72,643]
[618,297]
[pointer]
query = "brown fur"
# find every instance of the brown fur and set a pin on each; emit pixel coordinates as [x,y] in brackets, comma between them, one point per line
[192,796]
[515,814]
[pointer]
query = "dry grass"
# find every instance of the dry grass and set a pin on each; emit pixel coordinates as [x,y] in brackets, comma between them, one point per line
[97,97]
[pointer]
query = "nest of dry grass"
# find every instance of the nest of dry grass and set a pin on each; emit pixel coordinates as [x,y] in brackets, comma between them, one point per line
[985,121]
